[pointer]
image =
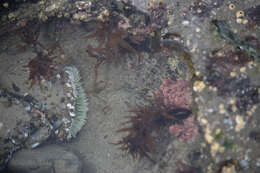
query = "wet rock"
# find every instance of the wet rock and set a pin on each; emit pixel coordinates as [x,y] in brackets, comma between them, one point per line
[38,137]
[51,159]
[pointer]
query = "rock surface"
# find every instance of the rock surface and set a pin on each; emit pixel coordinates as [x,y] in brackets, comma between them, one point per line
[51,159]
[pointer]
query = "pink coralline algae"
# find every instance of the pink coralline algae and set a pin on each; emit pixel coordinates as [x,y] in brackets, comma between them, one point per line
[176,94]
[187,131]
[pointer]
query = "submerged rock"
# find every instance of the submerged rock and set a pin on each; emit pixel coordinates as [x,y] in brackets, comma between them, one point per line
[51,159]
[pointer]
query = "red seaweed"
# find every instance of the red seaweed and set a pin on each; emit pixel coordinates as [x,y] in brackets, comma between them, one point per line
[41,66]
[146,121]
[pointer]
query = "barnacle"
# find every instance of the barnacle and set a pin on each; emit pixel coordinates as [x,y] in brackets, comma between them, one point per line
[140,141]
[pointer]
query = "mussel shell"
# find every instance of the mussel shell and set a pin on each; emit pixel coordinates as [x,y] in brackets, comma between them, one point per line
[180,113]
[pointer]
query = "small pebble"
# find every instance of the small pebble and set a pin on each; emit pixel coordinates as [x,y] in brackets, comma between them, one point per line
[216,147]
[222,109]
[233,74]
[6,5]
[239,20]
[35,145]
[234,108]
[245,21]
[69,105]
[185,22]
[240,123]
[258,163]
[58,76]
[217,131]
[227,121]
[242,69]
[210,110]
[232,101]
[72,114]
[208,136]
[1,125]
[244,163]
[68,85]
[199,86]
[197,73]
[228,169]
[203,121]
[28,108]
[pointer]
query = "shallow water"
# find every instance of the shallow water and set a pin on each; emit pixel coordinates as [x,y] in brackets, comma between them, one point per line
[222,95]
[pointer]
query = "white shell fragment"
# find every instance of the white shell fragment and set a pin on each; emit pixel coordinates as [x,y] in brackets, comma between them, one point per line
[240,123]
[72,114]
[68,85]
[26,135]
[35,145]
[28,108]
[58,76]
[70,106]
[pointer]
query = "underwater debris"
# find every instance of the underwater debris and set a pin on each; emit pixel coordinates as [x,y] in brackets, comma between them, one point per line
[80,102]
[226,33]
